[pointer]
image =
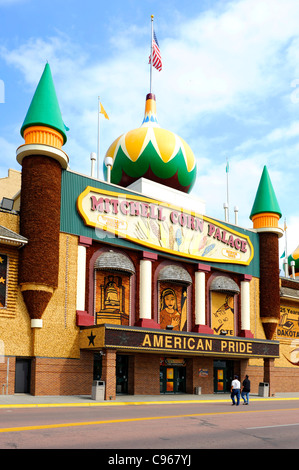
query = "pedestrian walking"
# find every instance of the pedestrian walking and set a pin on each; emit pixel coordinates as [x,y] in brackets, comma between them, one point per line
[235,390]
[245,390]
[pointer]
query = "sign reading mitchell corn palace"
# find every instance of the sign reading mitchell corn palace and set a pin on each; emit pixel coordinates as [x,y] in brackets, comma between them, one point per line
[164,227]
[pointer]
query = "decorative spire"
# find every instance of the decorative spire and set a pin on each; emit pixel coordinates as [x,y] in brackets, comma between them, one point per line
[44,109]
[150,112]
[265,215]
[265,211]
[42,161]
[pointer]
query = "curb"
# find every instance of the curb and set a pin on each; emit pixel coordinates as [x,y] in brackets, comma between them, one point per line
[136,403]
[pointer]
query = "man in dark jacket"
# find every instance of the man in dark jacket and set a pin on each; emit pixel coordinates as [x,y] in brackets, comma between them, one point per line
[245,390]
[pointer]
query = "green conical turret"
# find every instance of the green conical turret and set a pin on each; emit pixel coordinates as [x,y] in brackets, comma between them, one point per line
[265,215]
[265,199]
[44,108]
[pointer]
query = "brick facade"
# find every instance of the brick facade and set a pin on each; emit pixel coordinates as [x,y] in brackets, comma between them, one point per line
[51,376]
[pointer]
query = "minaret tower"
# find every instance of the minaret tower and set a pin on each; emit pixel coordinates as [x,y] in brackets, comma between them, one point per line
[42,161]
[265,215]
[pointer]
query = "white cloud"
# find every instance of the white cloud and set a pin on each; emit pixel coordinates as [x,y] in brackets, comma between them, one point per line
[216,63]
[284,132]
[222,58]
[292,233]
[219,69]
[212,186]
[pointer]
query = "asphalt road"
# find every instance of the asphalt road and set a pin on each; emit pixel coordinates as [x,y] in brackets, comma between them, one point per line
[173,427]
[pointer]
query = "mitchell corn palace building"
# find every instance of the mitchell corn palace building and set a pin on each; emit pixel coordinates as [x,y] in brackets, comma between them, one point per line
[127,280]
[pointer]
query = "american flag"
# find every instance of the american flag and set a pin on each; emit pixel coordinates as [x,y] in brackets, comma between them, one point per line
[157,61]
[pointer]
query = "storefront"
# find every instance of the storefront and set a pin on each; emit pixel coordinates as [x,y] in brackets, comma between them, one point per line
[129,281]
[160,361]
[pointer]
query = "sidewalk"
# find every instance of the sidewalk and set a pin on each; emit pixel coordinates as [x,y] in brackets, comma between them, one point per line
[29,401]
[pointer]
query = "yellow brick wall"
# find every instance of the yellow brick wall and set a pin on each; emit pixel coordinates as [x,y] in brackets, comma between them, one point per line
[59,336]
[15,330]
[10,221]
[255,322]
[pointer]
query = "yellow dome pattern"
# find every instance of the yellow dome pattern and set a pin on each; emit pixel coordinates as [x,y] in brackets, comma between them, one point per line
[154,153]
[294,257]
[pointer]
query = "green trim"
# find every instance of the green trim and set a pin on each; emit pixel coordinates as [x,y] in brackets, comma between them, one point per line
[44,108]
[290,258]
[265,199]
[150,158]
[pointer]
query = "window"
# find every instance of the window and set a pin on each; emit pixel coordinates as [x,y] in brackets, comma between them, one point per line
[173,292]
[113,272]
[223,298]
[8,281]
[3,279]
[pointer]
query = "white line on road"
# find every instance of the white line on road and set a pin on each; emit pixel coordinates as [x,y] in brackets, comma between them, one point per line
[274,426]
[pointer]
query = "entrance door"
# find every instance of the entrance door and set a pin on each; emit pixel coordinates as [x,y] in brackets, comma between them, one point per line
[22,383]
[219,380]
[172,379]
[97,366]
[223,373]
[181,379]
[121,374]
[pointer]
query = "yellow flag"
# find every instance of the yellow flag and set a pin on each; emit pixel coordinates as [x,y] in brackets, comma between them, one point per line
[102,111]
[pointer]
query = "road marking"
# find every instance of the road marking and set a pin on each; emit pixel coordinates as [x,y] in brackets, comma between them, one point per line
[274,426]
[137,403]
[128,420]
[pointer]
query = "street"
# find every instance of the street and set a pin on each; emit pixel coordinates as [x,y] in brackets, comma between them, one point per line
[269,424]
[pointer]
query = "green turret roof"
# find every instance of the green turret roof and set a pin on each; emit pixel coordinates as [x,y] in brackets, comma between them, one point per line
[44,108]
[265,199]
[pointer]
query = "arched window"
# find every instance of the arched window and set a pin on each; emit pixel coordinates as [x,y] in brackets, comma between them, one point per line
[112,280]
[223,305]
[173,295]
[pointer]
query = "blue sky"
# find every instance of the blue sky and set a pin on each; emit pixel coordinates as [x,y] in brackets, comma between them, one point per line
[229,85]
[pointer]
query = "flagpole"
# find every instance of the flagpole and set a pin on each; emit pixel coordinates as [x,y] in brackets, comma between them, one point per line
[151,65]
[98,151]
[285,238]
[227,196]
[285,261]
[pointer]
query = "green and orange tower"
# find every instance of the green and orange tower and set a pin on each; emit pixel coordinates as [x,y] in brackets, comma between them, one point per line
[265,215]
[42,160]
